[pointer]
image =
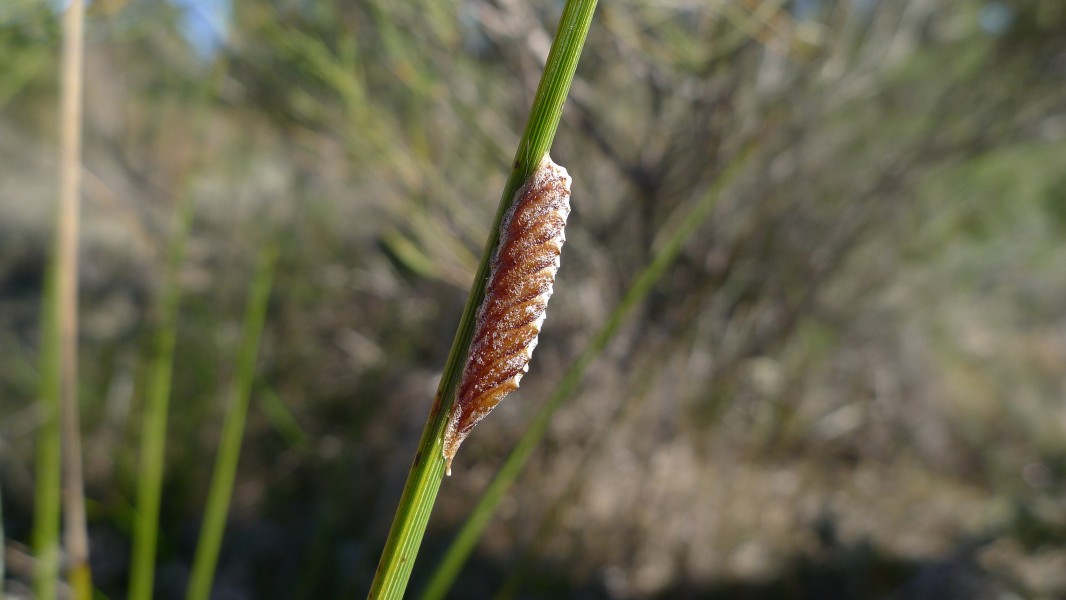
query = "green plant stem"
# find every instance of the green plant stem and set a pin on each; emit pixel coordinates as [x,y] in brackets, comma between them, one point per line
[427,470]
[154,424]
[468,536]
[218,499]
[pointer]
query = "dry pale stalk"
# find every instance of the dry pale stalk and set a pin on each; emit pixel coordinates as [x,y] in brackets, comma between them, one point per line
[70,118]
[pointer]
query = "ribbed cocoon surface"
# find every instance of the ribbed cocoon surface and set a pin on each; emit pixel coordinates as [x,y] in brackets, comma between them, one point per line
[521,276]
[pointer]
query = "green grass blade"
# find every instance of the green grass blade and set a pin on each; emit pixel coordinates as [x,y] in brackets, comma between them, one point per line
[471,532]
[154,424]
[281,418]
[427,470]
[47,492]
[218,499]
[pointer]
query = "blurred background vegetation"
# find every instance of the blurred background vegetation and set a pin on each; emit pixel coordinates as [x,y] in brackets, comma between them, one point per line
[850,385]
